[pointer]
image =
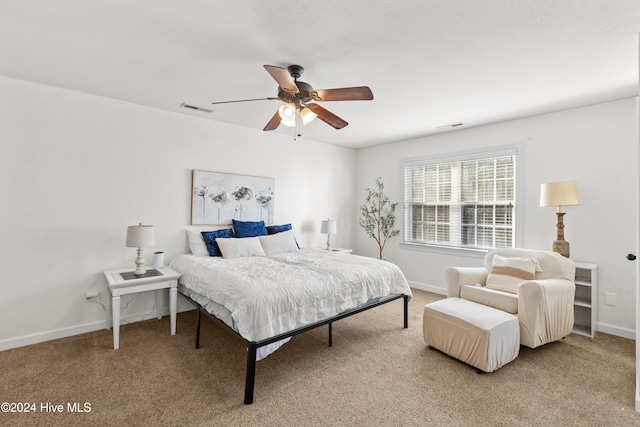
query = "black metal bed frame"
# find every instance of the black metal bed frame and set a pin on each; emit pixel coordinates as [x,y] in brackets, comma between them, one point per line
[252,346]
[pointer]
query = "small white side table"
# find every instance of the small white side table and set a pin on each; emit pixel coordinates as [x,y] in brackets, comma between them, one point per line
[340,250]
[123,282]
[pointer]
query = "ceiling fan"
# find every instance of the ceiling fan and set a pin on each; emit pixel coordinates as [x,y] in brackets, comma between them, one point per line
[298,97]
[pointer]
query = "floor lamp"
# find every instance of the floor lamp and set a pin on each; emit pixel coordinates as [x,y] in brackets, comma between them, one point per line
[560,194]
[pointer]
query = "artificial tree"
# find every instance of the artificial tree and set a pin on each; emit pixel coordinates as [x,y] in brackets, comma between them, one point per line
[378,215]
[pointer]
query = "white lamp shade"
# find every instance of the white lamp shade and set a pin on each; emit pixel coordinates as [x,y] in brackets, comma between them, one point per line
[328,226]
[563,193]
[140,236]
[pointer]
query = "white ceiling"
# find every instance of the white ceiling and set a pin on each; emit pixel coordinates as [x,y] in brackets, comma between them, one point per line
[428,62]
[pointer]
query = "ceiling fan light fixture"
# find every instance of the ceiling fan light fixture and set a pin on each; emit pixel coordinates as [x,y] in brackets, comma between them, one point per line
[288,115]
[307,115]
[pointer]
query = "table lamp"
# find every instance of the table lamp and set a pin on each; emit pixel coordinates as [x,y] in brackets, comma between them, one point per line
[139,236]
[560,194]
[328,227]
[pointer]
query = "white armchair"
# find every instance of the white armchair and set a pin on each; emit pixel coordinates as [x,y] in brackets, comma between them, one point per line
[536,286]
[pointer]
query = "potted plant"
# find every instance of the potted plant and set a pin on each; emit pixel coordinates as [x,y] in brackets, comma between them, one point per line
[378,215]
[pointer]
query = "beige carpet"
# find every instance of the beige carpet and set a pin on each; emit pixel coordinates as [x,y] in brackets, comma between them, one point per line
[375,374]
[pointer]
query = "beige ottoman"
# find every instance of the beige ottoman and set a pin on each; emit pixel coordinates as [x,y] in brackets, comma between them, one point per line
[476,334]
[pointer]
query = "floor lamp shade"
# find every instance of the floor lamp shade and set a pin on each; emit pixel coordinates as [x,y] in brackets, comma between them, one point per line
[140,236]
[560,194]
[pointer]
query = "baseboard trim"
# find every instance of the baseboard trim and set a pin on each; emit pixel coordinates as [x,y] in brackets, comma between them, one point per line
[618,331]
[70,331]
[53,334]
[428,288]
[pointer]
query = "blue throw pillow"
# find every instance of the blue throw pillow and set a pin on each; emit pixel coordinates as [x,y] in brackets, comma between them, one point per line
[210,240]
[249,228]
[274,229]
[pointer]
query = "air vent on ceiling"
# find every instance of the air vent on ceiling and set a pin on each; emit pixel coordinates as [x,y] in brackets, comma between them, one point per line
[193,107]
[451,126]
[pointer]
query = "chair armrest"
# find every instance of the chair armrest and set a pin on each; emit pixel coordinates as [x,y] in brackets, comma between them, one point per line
[458,276]
[545,310]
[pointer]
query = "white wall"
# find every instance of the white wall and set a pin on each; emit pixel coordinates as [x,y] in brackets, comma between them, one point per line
[596,146]
[76,170]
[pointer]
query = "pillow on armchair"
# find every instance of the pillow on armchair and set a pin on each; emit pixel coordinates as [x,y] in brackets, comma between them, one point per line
[552,264]
[507,273]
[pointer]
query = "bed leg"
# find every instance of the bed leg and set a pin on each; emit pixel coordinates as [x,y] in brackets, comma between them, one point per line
[198,329]
[406,311]
[330,334]
[251,373]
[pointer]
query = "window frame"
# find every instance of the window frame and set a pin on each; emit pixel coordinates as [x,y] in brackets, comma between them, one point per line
[515,150]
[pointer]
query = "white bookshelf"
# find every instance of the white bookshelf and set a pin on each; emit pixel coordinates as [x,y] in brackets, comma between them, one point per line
[585,305]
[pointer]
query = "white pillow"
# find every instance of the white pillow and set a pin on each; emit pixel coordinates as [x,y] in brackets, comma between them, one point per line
[196,244]
[278,243]
[232,247]
[507,273]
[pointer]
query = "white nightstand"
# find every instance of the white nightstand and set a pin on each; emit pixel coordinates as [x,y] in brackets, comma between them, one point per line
[341,250]
[123,282]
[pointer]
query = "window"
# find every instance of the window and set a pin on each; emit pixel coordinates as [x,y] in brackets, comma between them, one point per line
[464,202]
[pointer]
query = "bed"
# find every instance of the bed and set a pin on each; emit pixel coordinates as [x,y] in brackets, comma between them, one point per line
[266,298]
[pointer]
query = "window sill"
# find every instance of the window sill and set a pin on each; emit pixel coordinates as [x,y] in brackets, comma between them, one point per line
[445,250]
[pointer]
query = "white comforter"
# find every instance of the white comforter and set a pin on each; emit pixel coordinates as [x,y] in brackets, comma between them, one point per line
[270,295]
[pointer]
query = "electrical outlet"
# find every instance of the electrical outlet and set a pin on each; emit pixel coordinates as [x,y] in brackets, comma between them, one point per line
[91,295]
[610,298]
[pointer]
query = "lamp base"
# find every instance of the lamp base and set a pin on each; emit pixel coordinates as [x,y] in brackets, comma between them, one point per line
[561,247]
[139,271]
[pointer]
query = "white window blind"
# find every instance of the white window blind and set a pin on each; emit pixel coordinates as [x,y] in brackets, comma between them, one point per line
[465,202]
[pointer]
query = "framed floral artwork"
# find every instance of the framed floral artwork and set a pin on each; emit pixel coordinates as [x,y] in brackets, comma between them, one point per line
[217,198]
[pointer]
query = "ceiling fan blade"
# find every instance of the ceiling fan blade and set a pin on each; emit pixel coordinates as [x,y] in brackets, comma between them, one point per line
[281,75]
[246,100]
[327,116]
[359,93]
[274,122]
